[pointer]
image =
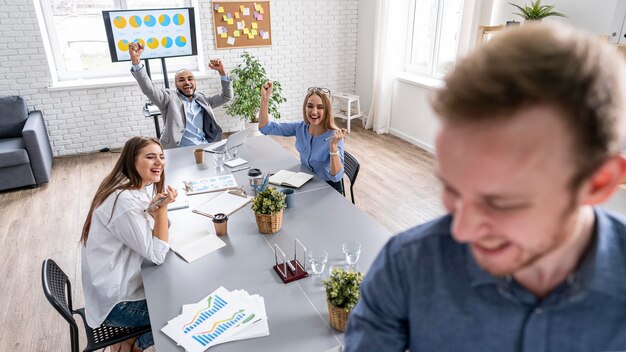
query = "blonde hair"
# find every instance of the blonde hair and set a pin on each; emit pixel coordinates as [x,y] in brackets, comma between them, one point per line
[123,176]
[544,64]
[328,120]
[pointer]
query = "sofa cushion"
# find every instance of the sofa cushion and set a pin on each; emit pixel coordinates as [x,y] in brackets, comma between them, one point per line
[13,152]
[13,115]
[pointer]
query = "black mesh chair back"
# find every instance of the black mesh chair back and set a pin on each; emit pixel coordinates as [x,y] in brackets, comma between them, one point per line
[58,291]
[351,169]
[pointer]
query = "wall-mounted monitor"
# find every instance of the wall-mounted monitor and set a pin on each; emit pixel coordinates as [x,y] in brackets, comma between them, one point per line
[618,26]
[163,32]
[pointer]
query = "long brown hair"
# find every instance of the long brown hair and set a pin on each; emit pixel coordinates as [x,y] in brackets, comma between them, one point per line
[123,176]
[328,121]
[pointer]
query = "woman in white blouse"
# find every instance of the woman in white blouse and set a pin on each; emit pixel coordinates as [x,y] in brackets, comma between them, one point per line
[118,235]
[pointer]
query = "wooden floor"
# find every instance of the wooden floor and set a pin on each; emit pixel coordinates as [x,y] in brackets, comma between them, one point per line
[396,186]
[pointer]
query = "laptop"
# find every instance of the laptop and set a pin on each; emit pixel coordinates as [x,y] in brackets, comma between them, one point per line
[234,140]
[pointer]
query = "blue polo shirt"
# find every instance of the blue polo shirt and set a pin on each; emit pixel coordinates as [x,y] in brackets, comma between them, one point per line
[314,151]
[425,292]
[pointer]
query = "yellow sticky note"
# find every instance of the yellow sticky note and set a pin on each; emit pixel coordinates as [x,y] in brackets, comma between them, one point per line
[230,21]
[261,10]
[257,7]
[246,31]
[241,7]
[235,33]
[224,35]
[250,36]
[237,15]
[225,18]
[243,23]
[254,25]
[254,32]
[220,9]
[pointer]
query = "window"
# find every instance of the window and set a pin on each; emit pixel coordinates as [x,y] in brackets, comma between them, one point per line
[433,36]
[78,41]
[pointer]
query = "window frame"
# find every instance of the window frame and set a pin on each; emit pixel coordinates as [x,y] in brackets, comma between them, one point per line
[57,64]
[431,70]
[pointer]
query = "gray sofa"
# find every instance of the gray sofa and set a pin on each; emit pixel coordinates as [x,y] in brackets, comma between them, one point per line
[25,152]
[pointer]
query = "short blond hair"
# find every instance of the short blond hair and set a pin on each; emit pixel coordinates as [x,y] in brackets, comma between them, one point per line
[544,64]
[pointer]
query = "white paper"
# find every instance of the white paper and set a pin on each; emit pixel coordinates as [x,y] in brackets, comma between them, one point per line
[192,244]
[246,11]
[235,162]
[220,317]
[230,41]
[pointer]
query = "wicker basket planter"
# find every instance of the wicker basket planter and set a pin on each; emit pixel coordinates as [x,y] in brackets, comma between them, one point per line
[269,223]
[338,317]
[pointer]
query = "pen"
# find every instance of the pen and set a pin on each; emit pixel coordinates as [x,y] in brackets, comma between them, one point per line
[240,168]
[327,138]
[155,204]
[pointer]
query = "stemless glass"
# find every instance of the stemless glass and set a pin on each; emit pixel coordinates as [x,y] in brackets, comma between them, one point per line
[317,260]
[231,153]
[352,250]
[218,158]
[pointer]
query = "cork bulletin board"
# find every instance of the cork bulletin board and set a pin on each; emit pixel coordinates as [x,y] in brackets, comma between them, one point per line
[239,24]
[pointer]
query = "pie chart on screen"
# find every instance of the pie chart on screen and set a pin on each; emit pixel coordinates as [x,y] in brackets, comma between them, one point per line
[149,20]
[181,41]
[178,19]
[164,20]
[119,22]
[153,43]
[135,21]
[166,42]
[122,45]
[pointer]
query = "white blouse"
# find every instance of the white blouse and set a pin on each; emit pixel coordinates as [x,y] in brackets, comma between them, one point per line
[119,240]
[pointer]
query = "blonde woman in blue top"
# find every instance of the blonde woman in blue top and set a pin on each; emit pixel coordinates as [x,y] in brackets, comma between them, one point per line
[318,140]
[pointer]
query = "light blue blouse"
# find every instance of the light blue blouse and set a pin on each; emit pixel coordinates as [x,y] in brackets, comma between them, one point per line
[314,151]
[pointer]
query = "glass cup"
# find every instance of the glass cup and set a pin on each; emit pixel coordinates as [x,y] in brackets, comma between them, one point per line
[218,158]
[231,153]
[317,260]
[352,250]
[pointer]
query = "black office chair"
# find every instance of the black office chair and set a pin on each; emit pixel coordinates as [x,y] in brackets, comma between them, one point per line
[58,291]
[351,169]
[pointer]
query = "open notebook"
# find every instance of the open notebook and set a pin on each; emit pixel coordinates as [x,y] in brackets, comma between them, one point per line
[290,178]
[192,243]
[225,202]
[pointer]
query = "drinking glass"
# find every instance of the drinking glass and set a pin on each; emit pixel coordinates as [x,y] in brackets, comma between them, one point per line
[231,153]
[218,158]
[317,260]
[352,250]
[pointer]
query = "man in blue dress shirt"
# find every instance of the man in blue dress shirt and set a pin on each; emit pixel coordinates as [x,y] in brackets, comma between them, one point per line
[187,115]
[531,129]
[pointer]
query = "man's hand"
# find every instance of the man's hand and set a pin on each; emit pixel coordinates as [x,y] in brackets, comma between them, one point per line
[217,65]
[266,91]
[135,50]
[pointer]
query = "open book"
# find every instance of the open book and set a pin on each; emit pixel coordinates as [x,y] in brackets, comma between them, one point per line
[226,202]
[194,243]
[290,178]
[210,184]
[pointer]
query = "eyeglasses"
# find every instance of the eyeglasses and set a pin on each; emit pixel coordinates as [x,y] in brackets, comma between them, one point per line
[318,89]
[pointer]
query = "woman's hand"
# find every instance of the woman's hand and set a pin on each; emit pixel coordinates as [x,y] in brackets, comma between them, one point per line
[163,199]
[339,135]
[266,91]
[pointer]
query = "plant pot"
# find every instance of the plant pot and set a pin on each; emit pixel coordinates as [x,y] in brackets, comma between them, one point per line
[269,223]
[338,317]
[254,128]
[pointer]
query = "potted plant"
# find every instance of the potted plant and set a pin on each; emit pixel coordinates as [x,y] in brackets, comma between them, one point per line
[342,294]
[268,208]
[536,11]
[248,77]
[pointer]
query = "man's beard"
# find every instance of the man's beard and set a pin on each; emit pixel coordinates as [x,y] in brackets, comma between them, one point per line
[188,96]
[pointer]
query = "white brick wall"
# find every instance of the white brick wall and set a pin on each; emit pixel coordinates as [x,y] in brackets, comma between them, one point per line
[313,44]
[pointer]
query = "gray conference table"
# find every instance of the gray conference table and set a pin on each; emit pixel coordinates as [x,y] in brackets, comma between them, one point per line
[297,313]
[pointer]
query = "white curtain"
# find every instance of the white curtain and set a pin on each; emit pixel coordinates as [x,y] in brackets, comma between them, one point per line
[389,34]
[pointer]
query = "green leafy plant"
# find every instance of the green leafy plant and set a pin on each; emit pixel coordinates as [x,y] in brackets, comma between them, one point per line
[342,288]
[270,201]
[536,11]
[248,77]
